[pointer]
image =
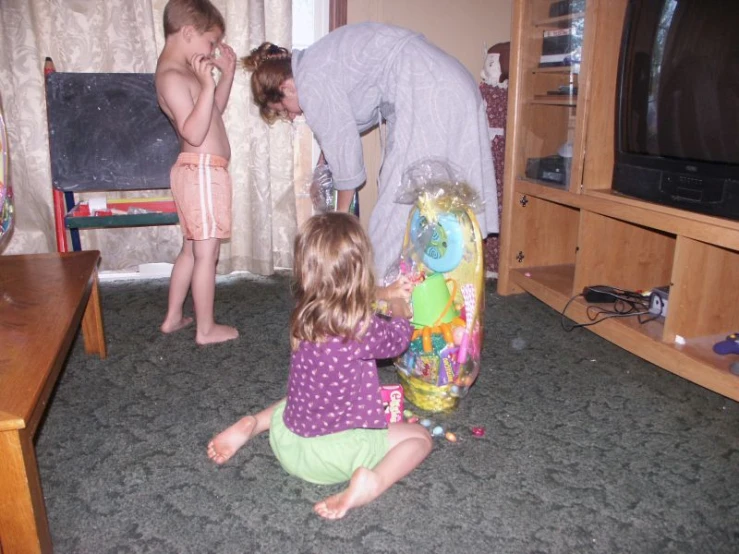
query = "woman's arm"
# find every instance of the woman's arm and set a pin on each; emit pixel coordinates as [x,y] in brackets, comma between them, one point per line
[344,200]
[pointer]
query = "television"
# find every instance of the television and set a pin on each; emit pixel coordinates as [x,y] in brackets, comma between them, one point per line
[677,105]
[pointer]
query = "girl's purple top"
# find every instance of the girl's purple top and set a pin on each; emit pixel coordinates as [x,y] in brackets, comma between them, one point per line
[334,386]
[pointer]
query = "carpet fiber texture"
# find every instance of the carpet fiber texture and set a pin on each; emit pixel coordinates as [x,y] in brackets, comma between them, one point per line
[587,448]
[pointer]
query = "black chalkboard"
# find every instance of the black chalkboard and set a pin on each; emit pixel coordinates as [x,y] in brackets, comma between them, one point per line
[107,132]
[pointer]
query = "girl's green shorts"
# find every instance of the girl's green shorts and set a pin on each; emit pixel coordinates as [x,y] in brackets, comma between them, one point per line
[327,459]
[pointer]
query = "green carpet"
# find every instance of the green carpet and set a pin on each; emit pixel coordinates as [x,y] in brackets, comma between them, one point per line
[587,448]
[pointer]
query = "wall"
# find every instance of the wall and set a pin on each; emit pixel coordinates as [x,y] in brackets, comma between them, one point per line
[463,28]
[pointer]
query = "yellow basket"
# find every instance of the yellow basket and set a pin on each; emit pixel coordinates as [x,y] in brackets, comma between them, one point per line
[427,396]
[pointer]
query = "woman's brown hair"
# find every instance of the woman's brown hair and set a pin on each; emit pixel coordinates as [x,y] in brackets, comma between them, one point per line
[333,279]
[271,66]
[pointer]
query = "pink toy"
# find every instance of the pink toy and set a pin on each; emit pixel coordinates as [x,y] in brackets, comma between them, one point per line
[392,399]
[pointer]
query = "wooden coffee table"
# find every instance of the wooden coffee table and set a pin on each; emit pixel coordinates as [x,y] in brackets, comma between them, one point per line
[43,299]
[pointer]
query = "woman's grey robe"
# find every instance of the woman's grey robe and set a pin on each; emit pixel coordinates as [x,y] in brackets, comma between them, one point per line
[432,107]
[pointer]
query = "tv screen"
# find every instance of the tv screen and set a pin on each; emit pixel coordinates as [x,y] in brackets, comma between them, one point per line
[678,105]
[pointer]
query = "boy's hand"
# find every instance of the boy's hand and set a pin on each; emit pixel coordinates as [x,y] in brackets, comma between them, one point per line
[226,62]
[202,66]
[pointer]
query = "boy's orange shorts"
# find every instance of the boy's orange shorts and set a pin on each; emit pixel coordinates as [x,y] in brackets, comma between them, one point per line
[201,187]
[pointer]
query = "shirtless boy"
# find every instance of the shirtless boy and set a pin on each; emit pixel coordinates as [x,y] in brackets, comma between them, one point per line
[200,182]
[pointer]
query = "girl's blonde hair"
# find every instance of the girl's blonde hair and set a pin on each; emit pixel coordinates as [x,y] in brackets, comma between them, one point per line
[201,14]
[333,280]
[271,66]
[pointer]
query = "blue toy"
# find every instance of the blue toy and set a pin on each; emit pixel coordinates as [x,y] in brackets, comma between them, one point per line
[444,249]
[728,346]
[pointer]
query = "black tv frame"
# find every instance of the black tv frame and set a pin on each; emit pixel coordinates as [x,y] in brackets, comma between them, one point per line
[697,186]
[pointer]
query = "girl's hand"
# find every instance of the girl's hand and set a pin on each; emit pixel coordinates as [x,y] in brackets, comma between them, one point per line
[398,307]
[202,66]
[400,289]
[226,62]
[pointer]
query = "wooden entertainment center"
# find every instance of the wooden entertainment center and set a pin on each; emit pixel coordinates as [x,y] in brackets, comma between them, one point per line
[557,238]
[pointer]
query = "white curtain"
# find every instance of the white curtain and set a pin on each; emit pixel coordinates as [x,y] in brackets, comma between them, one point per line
[126,36]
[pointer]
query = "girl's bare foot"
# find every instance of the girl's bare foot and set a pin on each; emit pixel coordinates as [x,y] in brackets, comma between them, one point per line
[175,325]
[364,487]
[226,443]
[218,333]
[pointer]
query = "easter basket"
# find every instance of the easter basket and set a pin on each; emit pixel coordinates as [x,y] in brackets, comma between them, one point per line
[443,359]
[442,255]
[427,396]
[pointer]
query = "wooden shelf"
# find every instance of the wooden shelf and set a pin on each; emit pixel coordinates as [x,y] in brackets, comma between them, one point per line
[569,100]
[557,70]
[552,284]
[557,239]
[546,191]
[694,360]
[561,21]
[713,230]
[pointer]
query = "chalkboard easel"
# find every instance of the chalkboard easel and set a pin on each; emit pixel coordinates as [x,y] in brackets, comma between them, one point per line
[107,133]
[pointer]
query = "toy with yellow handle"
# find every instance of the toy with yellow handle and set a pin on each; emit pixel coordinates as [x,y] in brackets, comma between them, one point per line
[432,301]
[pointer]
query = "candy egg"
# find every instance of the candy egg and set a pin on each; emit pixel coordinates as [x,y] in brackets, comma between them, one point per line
[478,431]
[413,419]
[407,414]
[438,431]
[426,422]
[451,437]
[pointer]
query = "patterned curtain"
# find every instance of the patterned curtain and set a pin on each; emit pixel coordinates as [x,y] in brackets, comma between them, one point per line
[126,36]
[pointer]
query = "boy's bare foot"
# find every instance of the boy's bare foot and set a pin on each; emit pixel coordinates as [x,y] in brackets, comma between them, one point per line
[364,487]
[219,333]
[175,325]
[226,443]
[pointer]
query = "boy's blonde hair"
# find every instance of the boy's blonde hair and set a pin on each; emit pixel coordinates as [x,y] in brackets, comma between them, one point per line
[271,65]
[334,283]
[201,14]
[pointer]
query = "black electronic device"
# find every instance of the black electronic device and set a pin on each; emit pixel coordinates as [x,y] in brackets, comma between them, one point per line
[563,46]
[658,300]
[553,169]
[601,294]
[566,7]
[677,120]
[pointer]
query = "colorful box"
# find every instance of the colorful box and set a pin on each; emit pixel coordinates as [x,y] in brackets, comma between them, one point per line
[392,399]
